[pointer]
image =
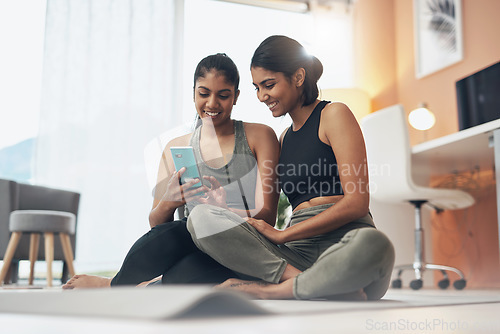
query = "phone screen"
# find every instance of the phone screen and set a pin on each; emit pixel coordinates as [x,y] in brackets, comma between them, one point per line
[184,157]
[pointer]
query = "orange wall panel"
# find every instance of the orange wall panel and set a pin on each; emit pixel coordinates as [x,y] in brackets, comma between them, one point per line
[385,68]
[374,45]
[481,43]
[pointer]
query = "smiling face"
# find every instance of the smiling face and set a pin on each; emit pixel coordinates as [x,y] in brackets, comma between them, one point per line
[279,93]
[214,97]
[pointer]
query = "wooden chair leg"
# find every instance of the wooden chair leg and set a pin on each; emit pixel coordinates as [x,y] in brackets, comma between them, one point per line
[68,252]
[9,253]
[49,255]
[34,243]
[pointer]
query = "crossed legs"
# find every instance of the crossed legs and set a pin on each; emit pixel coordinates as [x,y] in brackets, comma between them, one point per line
[167,250]
[357,267]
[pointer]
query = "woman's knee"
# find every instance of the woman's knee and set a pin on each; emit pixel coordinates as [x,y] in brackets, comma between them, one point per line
[363,248]
[380,262]
[207,220]
[194,218]
[377,249]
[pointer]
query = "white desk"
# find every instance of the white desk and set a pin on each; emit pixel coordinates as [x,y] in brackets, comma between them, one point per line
[469,149]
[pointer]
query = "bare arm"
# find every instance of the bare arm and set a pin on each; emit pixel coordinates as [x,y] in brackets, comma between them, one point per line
[162,210]
[263,142]
[168,194]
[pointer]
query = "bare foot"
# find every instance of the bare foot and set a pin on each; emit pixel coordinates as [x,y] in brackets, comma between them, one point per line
[284,290]
[146,283]
[260,289]
[87,281]
[253,288]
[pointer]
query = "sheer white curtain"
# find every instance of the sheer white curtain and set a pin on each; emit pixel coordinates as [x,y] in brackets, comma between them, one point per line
[21,40]
[108,89]
[118,74]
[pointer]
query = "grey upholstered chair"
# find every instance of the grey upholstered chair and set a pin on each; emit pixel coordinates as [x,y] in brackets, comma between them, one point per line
[19,196]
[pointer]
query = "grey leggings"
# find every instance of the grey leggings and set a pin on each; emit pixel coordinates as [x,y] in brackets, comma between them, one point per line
[355,256]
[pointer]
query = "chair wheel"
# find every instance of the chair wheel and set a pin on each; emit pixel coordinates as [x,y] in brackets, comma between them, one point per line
[396,284]
[444,283]
[416,284]
[459,284]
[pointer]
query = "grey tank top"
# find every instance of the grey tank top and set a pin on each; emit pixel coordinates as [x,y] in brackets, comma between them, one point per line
[238,176]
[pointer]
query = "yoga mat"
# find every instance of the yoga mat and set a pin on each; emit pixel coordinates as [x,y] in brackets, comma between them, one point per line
[130,302]
[194,301]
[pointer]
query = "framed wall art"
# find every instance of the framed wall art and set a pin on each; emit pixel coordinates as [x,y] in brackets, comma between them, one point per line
[438,35]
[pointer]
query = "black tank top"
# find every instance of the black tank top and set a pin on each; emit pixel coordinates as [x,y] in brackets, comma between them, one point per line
[307,167]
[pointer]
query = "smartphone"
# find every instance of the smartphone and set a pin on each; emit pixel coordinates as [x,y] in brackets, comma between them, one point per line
[183,156]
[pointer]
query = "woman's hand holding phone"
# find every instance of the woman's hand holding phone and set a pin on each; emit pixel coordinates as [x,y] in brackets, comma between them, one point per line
[216,195]
[191,186]
[179,194]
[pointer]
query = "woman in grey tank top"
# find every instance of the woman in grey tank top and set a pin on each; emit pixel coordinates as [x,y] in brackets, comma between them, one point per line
[237,161]
[331,248]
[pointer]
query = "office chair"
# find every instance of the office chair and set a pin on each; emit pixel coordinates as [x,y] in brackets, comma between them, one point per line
[389,156]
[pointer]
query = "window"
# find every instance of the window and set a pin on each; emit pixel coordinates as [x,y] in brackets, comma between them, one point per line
[21,37]
[235,29]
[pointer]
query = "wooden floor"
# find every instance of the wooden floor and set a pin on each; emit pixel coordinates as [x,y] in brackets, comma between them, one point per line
[466,311]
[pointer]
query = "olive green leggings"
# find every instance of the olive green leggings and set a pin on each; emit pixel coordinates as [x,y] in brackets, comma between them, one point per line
[353,257]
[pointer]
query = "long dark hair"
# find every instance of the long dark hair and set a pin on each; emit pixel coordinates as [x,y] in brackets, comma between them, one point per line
[285,55]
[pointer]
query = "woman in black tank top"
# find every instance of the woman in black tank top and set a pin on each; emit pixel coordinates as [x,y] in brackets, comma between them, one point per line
[323,170]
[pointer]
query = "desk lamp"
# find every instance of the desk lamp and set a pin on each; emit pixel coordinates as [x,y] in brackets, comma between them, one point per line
[422,119]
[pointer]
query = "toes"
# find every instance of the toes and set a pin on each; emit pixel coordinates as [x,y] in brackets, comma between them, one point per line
[69,283]
[230,282]
[67,286]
